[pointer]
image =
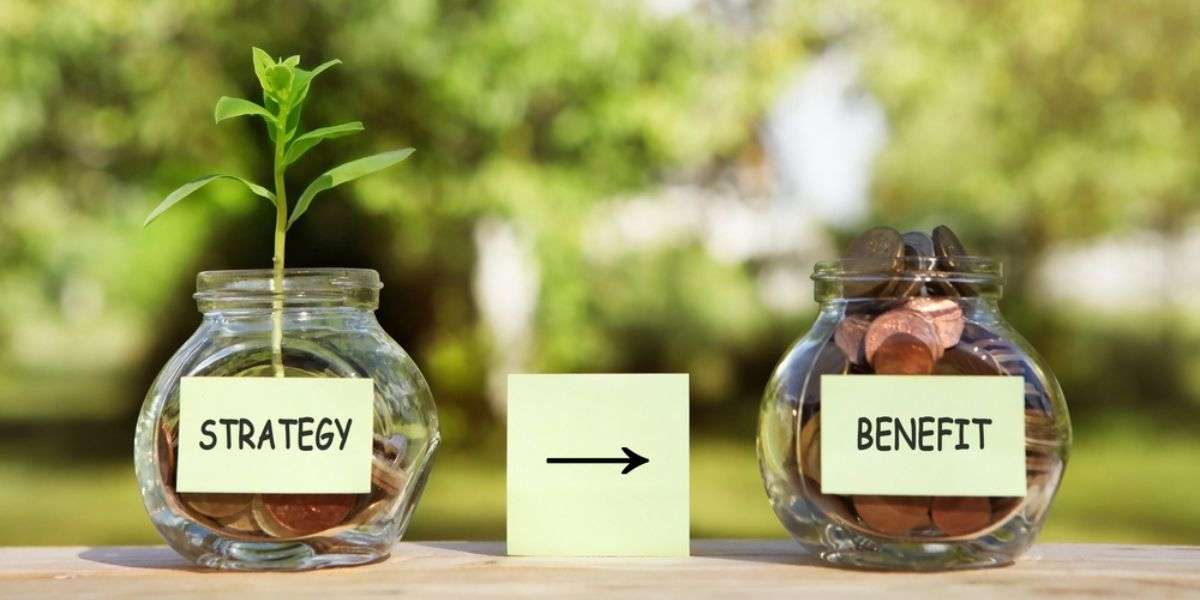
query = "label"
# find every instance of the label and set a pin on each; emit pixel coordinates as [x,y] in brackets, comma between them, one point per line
[923,435]
[283,435]
[598,465]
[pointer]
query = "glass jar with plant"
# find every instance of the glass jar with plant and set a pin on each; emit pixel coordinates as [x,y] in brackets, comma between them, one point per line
[269,469]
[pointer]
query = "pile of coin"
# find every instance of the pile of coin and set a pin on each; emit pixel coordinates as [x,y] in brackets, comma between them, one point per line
[908,312]
[275,517]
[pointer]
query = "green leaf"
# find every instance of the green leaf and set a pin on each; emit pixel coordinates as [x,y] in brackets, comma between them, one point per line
[292,61]
[346,172]
[262,62]
[303,78]
[228,108]
[186,190]
[305,142]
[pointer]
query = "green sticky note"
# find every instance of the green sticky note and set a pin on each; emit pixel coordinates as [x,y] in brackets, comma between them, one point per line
[923,435]
[287,435]
[567,442]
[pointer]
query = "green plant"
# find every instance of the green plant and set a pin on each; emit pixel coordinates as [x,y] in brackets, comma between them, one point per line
[285,87]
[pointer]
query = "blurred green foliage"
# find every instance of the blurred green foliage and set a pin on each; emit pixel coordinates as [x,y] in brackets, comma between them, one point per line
[1024,125]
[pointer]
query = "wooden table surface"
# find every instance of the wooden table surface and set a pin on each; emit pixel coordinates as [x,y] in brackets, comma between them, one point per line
[717,569]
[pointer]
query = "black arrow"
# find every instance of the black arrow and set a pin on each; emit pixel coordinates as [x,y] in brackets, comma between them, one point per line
[634,459]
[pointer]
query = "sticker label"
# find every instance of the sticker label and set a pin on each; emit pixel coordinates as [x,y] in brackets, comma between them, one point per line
[923,435]
[275,435]
[598,465]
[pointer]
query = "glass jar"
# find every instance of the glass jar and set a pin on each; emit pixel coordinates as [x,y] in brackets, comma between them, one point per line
[851,529]
[329,330]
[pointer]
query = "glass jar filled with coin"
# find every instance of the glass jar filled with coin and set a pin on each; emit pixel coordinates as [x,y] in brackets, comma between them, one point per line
[290,432]
[912,428]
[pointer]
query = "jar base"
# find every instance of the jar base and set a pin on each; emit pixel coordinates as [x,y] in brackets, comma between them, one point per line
[295,556]
[931,557]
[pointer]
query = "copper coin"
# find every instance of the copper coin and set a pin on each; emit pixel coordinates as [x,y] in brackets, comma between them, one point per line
[903,354]
[964,360]
[893,515]
[901,321]
[828,503]
[849,337]
[877,250]
[268,523]
[242,522]
[166,454]
[369,512]
[387,476]
[946,244]
[877,243]
[308,513]
[945,315]
[961,515]
[217,506]
[1003,506]
[949,249]
[809,448]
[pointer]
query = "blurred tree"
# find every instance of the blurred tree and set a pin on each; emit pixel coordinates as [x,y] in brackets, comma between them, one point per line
[528,111]
[1027,124]
[1031,123]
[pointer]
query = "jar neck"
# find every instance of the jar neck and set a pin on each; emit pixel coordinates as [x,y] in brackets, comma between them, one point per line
[872,280]
[252,294]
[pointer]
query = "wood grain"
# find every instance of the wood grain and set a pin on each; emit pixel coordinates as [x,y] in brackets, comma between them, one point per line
[717,569]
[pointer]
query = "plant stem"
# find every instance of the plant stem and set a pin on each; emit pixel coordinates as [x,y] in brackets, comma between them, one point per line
[281,216]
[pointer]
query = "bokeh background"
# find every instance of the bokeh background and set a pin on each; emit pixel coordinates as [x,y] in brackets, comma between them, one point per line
[616,185]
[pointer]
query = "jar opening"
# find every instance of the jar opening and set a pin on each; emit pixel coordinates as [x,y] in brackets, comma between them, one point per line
[868,277]
[254,289]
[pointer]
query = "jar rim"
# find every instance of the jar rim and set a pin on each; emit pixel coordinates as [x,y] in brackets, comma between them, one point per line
[956,269]
[252,288]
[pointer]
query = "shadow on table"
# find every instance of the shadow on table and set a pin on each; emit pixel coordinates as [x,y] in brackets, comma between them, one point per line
[777,552]
[782,552]
[494,549]
[136,557]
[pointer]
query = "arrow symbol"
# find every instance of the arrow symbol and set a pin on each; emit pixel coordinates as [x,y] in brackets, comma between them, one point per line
[633,459]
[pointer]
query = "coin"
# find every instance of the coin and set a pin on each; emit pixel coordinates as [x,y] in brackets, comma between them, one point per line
[166,454]
[369,512]
[901,321]
[305,514]
[893,515]
[877,242]
[849,337]
[903,354]
[266,522]
[217,506]
[947,245]
[944,314]
[963,359]
[949,249]
[961,515]
[1003,506]
[917,244]
[830,504]
[809,447]
[242,522]
[877,250]
[393,447]
[388,477]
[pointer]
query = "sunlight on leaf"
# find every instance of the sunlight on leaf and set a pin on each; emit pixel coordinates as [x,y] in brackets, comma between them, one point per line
[346,172]
[306,141]
[228,108]
[186,190]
